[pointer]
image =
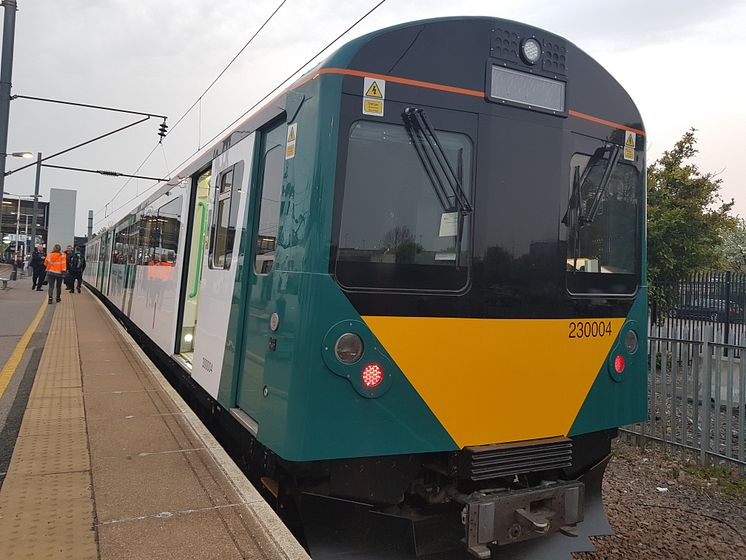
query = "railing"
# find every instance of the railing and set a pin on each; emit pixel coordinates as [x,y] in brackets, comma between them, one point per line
[696,395]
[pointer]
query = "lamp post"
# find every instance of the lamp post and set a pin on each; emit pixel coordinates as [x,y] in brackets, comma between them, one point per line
[18,216]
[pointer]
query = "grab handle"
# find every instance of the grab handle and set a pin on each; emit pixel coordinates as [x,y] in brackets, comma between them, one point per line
[198,268]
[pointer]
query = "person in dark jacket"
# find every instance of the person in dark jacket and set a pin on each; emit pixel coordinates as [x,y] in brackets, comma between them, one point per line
[38,268]
[75,268]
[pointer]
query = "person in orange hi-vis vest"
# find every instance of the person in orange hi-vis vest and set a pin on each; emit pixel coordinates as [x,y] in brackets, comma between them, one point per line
[56,263]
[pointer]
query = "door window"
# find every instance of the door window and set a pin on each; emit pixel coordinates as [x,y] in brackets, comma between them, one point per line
[269,212]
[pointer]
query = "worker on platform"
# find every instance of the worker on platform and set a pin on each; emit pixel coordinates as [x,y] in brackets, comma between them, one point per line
[68,278]
[56,263]
[75,268]
[38,268]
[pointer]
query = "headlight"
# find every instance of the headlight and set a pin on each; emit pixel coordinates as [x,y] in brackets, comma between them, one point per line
[630,341]
[530,50]
[349,348]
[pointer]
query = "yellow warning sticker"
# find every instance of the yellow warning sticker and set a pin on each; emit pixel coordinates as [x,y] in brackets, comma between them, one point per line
[374,91]
[290,144]
[629,153]
[374,96]
[373,107]
[630,139]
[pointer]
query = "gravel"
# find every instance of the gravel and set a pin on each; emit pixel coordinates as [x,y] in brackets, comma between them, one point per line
[659,510]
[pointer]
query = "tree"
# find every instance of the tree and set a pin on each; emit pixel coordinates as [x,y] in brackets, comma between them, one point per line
[734,246]
[687,219]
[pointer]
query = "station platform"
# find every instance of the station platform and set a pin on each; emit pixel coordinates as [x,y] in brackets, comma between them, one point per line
[108,461]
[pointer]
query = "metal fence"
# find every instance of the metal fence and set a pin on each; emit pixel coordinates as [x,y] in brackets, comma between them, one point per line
[707,298]
[696,394]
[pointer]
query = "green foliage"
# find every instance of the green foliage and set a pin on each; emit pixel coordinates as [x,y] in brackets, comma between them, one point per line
[687,219]
[734,246]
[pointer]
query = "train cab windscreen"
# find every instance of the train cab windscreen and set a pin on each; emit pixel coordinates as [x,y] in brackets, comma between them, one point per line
[402,227]
[602,222]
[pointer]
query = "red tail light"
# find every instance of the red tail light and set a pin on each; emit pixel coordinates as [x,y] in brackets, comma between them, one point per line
[619,364]
[372,375]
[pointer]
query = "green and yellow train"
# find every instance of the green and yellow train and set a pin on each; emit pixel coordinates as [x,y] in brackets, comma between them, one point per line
[410,289]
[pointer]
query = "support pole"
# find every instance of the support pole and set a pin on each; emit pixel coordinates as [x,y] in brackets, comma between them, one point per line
[36,199]
[90,224]
[6,73]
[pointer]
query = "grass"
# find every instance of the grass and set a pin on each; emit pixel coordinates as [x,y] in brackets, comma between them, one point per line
[728,480]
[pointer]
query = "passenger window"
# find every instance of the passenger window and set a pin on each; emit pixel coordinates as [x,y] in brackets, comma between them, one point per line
[227,195]
[269,211]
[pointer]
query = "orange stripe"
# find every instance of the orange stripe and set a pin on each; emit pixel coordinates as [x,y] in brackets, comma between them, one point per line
[405,81]
[605,122]
[451,89]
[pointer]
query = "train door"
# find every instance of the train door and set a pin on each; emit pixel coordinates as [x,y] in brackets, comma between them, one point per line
[260,254]
[103,285]
[130,266]
[228,195]
[191,283]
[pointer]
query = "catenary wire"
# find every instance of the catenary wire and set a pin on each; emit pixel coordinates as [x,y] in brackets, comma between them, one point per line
[255,105]
[199,99]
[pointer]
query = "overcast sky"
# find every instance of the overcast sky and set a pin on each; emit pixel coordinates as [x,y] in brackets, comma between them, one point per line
[682,61]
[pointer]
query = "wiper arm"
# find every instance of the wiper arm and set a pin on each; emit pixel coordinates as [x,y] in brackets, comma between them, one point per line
[427,162]
[434,160]
[613,159]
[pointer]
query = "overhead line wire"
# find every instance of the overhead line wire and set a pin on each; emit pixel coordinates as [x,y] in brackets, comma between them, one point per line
[224,70]
[264,98]
[183,116]
[300,68]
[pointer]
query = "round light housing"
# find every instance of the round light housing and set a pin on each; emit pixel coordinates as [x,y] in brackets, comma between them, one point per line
[372,375]
[349,348]
[630,342]
[619,364]
[530,50]
[188,337]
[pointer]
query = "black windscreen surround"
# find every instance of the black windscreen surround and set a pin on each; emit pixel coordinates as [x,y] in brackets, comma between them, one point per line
[524,139]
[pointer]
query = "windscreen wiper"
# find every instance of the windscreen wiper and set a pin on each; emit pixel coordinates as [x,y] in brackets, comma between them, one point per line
[603,183]
[445,182]
[575,217]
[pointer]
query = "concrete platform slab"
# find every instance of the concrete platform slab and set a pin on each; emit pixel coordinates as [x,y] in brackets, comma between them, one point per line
[128,403]
[110,463]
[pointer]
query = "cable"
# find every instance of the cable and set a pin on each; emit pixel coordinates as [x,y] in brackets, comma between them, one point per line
[127,182]
[250,109]
[223,71]
[300,68]
[199,99]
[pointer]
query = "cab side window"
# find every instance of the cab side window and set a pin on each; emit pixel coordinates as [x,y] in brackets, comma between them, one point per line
[269,211]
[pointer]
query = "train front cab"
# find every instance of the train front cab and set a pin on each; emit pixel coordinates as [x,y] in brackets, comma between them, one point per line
[479,229]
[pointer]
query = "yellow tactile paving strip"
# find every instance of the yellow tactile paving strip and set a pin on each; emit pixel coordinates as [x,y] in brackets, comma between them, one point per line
[46,502]
[110,464]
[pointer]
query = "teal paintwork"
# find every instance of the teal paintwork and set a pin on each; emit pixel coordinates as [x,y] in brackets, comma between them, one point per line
[310,412]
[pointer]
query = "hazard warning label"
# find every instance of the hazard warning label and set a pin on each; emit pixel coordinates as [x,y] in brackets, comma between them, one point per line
[374,96]
[630,139]
[290,144]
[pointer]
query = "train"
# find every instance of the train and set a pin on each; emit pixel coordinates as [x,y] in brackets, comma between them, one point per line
[412,288]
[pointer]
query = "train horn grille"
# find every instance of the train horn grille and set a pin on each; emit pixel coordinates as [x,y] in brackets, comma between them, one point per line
[508,459]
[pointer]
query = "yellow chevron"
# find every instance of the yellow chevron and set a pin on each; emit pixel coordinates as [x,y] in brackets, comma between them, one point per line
[497,380]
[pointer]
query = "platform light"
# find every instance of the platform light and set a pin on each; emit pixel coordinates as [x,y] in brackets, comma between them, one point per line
[188,337]
[372,375]
[619,364]
[630,342]
[531,50]
[349,348]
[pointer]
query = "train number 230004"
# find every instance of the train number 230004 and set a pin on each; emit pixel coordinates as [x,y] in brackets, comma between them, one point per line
[589,329]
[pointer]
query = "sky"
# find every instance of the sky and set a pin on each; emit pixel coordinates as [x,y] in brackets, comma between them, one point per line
[682,62]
